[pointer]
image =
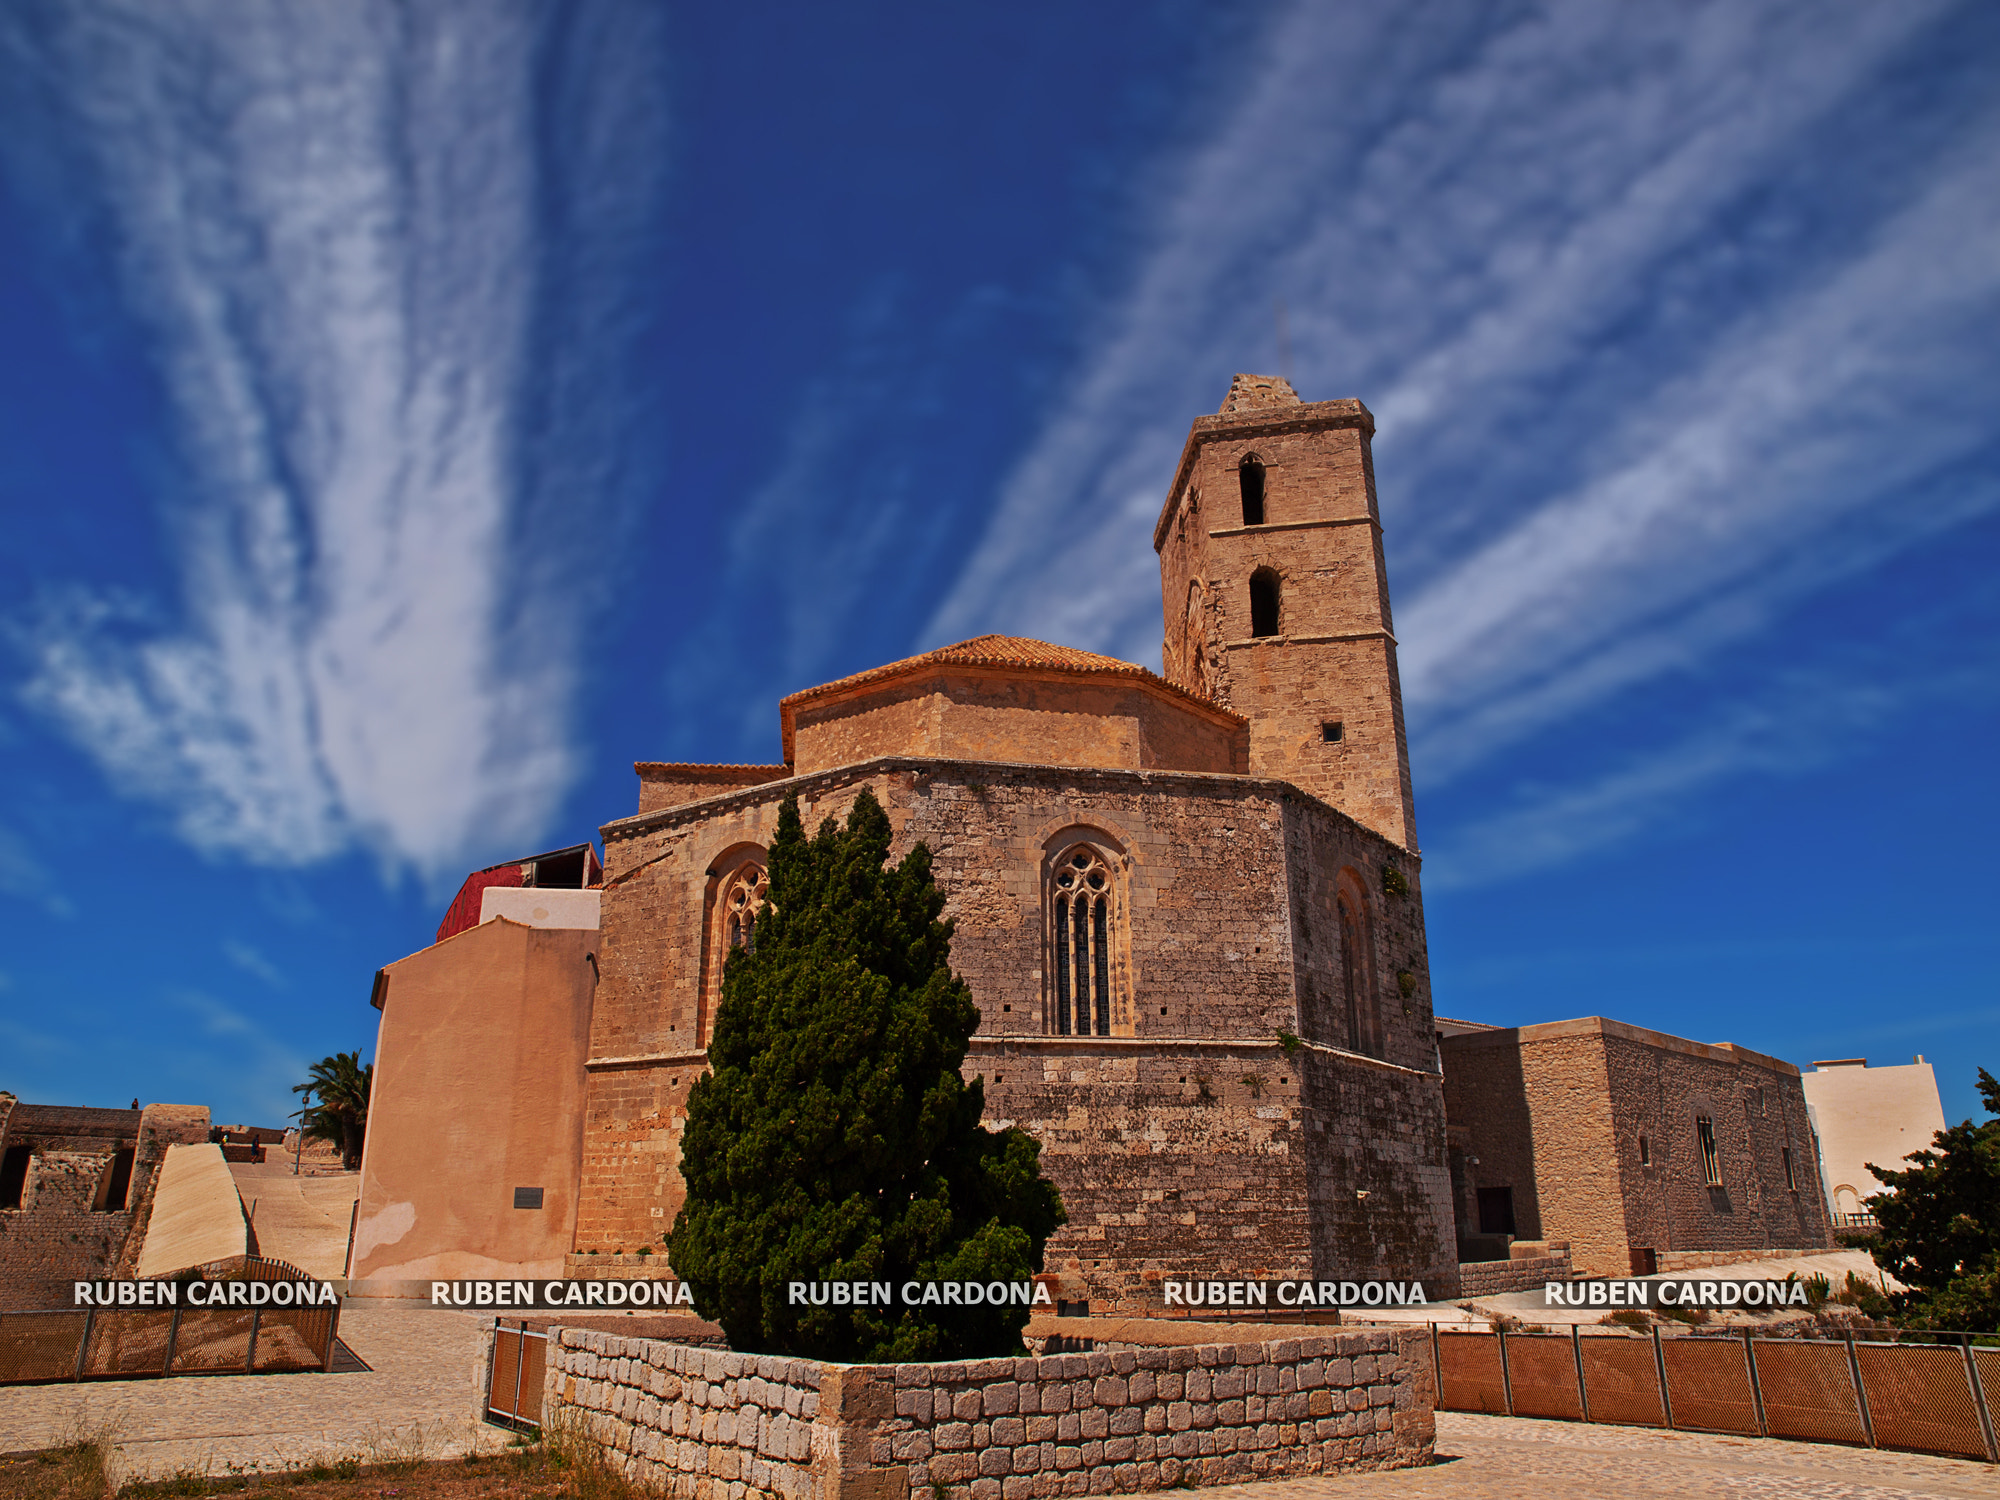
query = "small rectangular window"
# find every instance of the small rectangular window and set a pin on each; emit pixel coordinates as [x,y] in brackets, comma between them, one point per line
[116,1184]
[1645,1152]
[1496,1210]
[13,1176]
[1785,1155]
[1330,733]
[527,1197]
[1711,1163]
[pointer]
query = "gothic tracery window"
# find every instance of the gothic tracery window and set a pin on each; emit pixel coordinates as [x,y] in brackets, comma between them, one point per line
[736,897]
[745,895]
[1083,927]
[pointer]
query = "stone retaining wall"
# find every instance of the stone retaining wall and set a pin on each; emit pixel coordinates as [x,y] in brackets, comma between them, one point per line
[719,1426]
[1489,1278]
[1672,1261]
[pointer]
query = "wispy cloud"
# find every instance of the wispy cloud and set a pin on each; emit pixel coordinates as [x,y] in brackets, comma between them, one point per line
[255,964]
[353,237]
[1670,321]
[1802,721]
[852,517]
[260,1067]
[28,874]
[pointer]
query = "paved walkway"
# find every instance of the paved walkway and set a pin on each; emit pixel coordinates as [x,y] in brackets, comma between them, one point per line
[1506,1458]
[422,1395]
[299,1219]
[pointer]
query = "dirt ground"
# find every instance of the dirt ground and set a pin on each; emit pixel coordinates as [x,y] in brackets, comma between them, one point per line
[524,1472]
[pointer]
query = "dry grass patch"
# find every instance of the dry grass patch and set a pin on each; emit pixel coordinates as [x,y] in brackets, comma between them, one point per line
[570,1465]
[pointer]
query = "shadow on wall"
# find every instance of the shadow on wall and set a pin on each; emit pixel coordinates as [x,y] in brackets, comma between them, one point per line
[1492,1152]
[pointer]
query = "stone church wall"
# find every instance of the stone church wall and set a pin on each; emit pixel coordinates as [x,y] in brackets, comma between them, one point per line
[1187,1140]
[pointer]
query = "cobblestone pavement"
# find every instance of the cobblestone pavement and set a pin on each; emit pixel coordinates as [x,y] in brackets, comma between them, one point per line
[1504,1458]
[423,1390]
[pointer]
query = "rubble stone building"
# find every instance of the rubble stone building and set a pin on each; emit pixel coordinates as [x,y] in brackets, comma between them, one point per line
[1188,906]
[76,1186]
[1635,1146]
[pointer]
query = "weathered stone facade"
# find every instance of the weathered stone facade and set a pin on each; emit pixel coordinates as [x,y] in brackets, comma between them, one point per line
[85,1190]
[1631,1144]
[711,1425]
[1242,1078]
[1329,655]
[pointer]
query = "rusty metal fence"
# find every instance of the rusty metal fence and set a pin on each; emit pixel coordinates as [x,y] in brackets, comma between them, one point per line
[43,1345]
[514,1375]
[1927,1398]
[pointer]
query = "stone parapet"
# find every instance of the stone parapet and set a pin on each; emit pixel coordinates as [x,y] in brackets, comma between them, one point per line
[718,1426]
[1673,1261]
[1489,1278]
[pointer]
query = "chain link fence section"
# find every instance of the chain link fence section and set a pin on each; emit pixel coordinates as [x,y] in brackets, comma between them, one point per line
[1541,1376]
[1708,1385]
[514,1375]
[1470,1375]
[42,1345]
[1623,1378]
[1923,1397]
[1919,1398]
[1808,1391]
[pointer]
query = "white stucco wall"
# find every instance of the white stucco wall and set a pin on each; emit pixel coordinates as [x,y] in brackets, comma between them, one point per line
[1869,1114]
[534,906]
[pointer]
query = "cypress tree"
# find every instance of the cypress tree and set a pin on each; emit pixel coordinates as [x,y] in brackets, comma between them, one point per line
[834,1139]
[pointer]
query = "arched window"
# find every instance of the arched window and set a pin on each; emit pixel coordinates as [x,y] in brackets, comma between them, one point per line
[1264,602]
[1351,980]
[1191,658]
[1084,937]
[1359,1019]
[737,884]
[1250,476]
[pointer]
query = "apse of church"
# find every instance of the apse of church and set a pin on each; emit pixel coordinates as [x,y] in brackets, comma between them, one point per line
[1188,906]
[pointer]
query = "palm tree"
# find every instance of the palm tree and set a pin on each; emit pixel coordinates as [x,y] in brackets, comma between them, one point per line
[341,1085]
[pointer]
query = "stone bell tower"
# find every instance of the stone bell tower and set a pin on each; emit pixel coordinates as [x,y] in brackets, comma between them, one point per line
[1275,600]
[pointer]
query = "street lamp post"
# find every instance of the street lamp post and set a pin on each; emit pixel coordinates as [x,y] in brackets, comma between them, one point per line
[299,1141]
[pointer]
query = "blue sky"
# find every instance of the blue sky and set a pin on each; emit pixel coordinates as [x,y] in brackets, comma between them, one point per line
[411,416]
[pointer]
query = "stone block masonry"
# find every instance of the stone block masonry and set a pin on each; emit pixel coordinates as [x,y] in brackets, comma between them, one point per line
[717,1426]
[1489,1278]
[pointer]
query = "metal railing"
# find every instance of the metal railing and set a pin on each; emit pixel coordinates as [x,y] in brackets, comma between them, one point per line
[70,1344]
[514,1374]
[1926,1398]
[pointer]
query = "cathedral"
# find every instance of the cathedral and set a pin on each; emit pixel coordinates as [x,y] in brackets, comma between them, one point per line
[1188,907]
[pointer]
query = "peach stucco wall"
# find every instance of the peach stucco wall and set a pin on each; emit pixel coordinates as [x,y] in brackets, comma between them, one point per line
[478,1090]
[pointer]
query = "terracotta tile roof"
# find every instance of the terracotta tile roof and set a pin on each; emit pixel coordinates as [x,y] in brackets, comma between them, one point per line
[999,651]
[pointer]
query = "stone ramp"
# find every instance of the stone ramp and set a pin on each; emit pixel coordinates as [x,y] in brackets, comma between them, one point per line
[301,1220]
[197,1218]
